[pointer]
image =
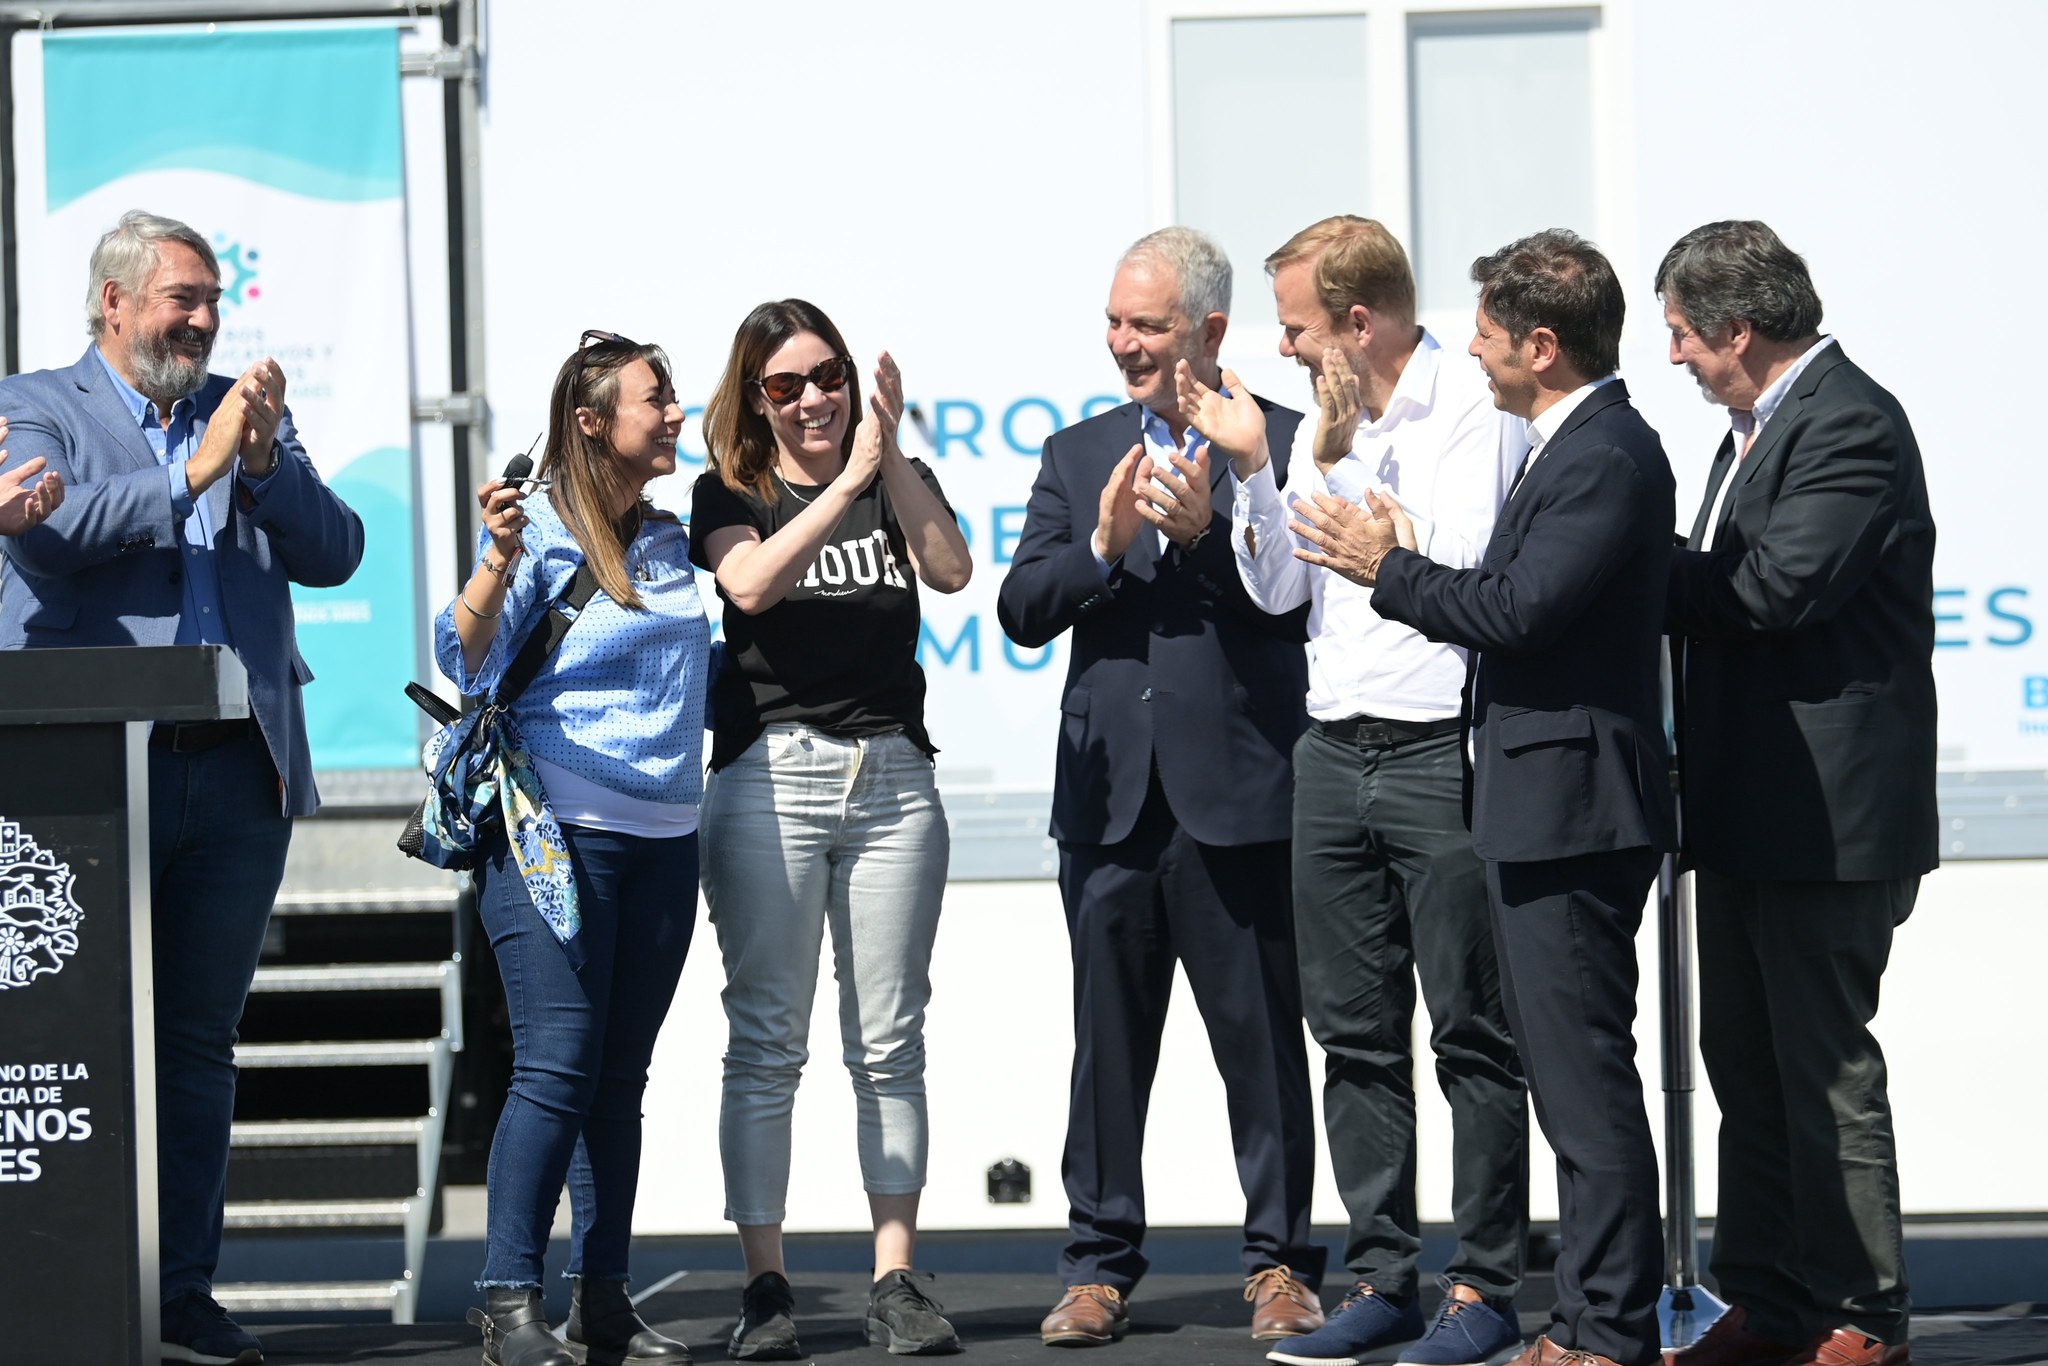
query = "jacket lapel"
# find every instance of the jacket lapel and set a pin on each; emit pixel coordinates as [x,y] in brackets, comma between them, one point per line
[1773,434]
[103,401]
[1715,476]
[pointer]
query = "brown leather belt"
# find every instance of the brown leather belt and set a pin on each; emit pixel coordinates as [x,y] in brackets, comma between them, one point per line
[192,737]
[1373,732]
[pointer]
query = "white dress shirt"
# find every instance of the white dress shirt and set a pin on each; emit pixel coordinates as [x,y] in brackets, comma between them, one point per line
[1446,455]
[1747,427]
[1544,426]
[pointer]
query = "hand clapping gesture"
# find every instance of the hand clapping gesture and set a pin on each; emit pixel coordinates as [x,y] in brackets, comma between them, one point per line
[28,493]
[1175,497]
[1233,422]
[1339,406]
[874,441]
[1351,540]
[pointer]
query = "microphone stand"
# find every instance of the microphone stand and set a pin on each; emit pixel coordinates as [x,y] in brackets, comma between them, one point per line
[1685,1308]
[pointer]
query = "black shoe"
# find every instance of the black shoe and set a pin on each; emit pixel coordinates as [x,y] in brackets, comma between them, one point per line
[516,1329]
[195,1328]
[766,1332]
[606,1330]
[905,1320]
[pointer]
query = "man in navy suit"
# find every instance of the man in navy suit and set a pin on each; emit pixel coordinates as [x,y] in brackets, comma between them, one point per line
[1172,799]
[189,509]
[1805,596]
[1571,799]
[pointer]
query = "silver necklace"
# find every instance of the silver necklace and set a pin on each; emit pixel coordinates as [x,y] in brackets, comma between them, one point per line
[792,489]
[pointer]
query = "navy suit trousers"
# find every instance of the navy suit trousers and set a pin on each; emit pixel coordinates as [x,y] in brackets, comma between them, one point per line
[1133,908]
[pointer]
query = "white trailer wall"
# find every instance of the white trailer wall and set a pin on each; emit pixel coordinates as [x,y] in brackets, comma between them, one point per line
[953,182]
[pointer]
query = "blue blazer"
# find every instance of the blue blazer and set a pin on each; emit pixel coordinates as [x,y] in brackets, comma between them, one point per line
[1171,663]
[105,568]
[1565,614]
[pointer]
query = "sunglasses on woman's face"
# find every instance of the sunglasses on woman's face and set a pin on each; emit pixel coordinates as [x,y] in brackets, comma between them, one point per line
[787,386]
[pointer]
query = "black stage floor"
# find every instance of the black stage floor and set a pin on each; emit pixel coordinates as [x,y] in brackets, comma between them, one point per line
[1185,1320]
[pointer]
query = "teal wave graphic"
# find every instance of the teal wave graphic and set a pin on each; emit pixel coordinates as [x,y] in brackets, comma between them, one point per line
[363,639]
[310,111]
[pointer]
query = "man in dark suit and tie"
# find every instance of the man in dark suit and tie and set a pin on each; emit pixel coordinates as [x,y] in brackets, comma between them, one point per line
[1805,599]
[1571,803]
[1172,799]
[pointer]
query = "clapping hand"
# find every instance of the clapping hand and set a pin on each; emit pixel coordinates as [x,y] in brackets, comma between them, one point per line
[874,441]
[29,492]
[1349,539]
[1233,422]
[1339,406]
[1175,497]
[1116,515]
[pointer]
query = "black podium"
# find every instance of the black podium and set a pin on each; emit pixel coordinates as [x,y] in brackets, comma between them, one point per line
[78,1197]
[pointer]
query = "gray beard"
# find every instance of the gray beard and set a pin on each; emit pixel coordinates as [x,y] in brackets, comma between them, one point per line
[163,376]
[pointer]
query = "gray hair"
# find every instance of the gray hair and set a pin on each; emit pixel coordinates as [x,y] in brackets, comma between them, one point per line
[1739,268]
[1196,262]
[128,255]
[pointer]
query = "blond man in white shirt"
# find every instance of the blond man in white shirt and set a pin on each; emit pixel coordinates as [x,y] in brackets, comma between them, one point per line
[1386,884]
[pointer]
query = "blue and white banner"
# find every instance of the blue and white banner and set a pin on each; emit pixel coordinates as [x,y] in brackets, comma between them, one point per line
[284,147]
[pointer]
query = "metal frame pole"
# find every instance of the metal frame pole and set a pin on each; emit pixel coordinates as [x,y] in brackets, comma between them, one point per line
[1685,1309]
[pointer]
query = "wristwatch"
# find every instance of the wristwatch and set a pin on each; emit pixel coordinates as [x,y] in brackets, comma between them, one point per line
[1196,539]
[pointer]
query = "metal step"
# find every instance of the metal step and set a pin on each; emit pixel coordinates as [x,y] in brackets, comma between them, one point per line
[277,1297]
[327,1133]
[374,1053]
[299,1214]
[354,977]
[372,901]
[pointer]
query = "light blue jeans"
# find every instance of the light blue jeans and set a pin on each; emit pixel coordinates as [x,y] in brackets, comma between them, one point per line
[802,830]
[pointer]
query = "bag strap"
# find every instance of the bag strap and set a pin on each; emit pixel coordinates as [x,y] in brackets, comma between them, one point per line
[525,667]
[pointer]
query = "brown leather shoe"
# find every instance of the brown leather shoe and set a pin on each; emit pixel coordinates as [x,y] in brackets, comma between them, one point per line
[1282,1307]
[1544,1352]
[1728,1342]
[1086,1316]
[1847,1347]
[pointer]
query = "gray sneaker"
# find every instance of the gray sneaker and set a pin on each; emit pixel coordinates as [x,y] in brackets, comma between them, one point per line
[902,1318]
[766,1332]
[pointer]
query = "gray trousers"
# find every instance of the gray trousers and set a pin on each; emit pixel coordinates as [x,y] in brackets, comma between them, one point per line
[1807,1235]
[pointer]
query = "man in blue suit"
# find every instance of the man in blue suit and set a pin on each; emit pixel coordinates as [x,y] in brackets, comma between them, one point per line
[1172,799]
[189,509]
[1571,799]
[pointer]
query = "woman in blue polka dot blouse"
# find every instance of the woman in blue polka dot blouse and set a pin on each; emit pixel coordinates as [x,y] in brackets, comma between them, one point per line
[614,726]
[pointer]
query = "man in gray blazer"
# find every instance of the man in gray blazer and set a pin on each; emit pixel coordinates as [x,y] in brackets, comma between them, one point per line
[1805,599]
[188,509]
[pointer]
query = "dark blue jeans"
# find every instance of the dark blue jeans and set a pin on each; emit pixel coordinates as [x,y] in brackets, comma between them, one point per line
[217,843]
[581,1042]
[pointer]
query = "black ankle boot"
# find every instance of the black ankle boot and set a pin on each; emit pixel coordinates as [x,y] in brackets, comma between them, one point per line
[607,1330]
[516,1329]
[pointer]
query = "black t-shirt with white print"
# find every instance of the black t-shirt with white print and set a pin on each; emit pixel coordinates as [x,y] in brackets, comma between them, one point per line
[839,653]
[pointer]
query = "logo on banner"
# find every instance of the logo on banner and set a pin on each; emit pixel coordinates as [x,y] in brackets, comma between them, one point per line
[237,270]
[39,917]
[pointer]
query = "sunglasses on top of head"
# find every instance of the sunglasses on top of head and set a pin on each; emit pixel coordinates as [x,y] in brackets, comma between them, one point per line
[786,386]
[583,344]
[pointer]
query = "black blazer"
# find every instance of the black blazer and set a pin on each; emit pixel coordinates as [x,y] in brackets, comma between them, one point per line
[1566,612]
[1171,663]
[1807,737]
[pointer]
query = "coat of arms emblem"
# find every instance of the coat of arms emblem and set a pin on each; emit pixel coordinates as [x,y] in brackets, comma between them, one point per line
[39,917]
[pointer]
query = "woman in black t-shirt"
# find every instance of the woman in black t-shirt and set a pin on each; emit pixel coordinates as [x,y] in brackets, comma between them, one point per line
[821,807]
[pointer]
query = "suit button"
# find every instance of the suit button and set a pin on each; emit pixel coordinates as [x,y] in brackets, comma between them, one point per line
[1145,696]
